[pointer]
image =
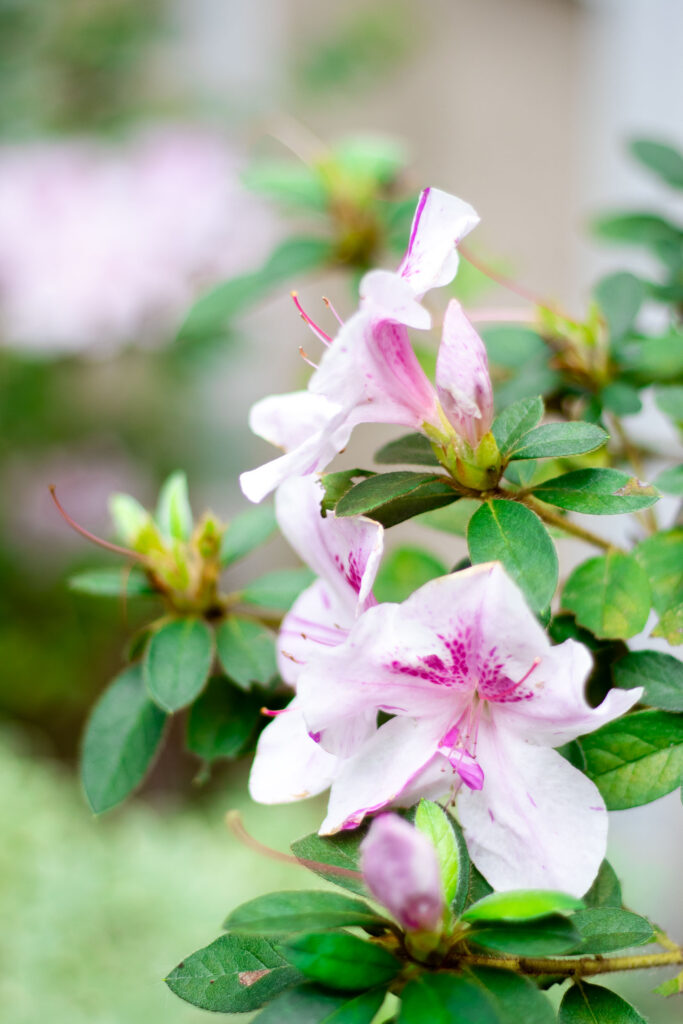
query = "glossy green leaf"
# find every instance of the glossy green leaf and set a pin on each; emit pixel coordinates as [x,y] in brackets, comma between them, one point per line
[310,1004]
[390,498]
[514,998]
[443,999]
[173,514]
[222,721]
[636,759]
[335,858]
[660,674]
[670,481]
[234,974]
[246,532]
[605,929]
[477,887]
[413,449]
[177,662]
[661,556]
[515,421]
[620,297]
[508,532]
[543,936]
[609,595]
[605,890]
[598,492]
[403,571]
[278,589]
[522,905]
[285,913]
[553,440]
[121,739]
[111,583]
[593,1004]
[435,823]
[664,160]
[340,960]
[246,650]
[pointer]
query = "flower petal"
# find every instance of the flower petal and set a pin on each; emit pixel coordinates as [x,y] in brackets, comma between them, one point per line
[384,766]
[388,296]
[538,822]
[288,765]
[462,376]
[344,552]
[441,221]
[317,619]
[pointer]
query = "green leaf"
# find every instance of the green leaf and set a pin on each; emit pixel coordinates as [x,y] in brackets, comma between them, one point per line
[605,929]
[654,360]
[670,481]
[598,492]
[443,999]
[544,936]
[246,650]
[605,890]
[553,440]
[508,532]
[513,347]
[660,674]
[111,583]
[621,398]
[173,514]
[609,595]
[128,516]
[177,663]
[222,721]
[278,589]
[309,1004]
[451,851]
[665,161]
[403,571]
[514,998]
[287,181]
[453,519]
[335,858]
[340,960]
[390,498]
[619,296]
[414,449]
[121,738]
[511,425]
[521,905]
[477,887]
[647,229]
[285,913]
[336,485]
[661,556]
[636,759]
[670,987]
[589,1004]
[246,532]
[670,625]
[234,974]
[670,401]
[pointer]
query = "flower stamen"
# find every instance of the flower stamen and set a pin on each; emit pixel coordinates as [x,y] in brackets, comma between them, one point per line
[318,331]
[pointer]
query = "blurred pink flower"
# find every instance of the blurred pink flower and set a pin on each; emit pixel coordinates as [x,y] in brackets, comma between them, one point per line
[105,245]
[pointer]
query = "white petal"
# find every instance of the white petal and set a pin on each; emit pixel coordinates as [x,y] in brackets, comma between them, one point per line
[344,552]
[288,765]
[377,775]
[287,421]
[317,620]
[538,822]
[441,221]
[388,296]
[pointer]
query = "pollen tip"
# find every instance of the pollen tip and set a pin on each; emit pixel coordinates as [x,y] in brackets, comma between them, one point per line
[294,293]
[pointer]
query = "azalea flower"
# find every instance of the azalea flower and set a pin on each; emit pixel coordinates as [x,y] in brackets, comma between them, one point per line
[370,373]
[401,869]
[345,554]
[479,699]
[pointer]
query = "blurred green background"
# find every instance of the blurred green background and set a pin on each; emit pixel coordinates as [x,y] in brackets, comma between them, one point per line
[127,129]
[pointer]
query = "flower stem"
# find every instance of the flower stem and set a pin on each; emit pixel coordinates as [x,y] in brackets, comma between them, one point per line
[581,967]
[553,519]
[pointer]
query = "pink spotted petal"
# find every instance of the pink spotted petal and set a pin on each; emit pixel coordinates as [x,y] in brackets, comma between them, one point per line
[317,620]
[288,765]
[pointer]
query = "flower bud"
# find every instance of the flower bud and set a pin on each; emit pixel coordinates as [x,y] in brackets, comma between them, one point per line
[401,870]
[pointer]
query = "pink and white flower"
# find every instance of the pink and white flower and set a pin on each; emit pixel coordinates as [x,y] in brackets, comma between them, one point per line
[401,869]
[345,554]
[479,699]
[369,373]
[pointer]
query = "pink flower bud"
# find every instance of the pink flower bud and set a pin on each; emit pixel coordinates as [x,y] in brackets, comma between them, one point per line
[401,870]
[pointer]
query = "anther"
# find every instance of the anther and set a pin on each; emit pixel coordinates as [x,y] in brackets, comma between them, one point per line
[307,358]
[333,311]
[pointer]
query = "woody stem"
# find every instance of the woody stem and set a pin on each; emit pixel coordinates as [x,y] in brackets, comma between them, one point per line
[580,967]
[553,519]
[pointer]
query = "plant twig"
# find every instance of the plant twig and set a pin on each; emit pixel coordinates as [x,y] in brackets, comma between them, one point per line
[553,519]
[580,967]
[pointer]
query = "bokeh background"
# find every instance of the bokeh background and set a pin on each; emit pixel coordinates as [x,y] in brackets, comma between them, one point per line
[127,129]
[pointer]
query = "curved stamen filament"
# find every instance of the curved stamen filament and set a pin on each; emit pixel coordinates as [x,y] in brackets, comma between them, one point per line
[318,331]
[233,820]
[333,311]
[107,545]
[510,689]
[307,358]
